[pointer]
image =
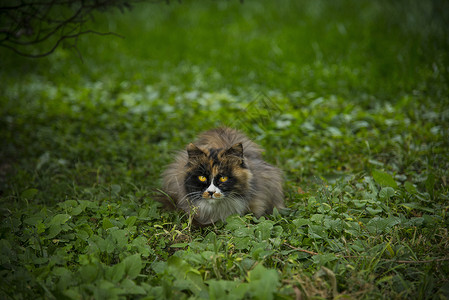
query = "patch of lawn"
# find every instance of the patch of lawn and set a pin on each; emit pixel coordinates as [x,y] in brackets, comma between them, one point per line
[349,99]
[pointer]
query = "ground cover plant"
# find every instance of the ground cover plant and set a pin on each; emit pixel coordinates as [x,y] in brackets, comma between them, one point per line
[349,99]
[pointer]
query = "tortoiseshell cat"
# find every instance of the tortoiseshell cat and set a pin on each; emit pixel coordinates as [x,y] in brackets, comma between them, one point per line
[220,174]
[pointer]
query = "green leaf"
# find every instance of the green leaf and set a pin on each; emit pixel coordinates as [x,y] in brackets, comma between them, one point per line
[386,193]
[245,231]
[107,224]
[389,250]
[179,245]
[263,282]
[121,237]
[409,187]
[430,183]
[29,193]
[130,221]
[334,225]
[133,266]
[225,289]
[106,290]
[184,272]
[260,253]
[159,266]
[317,218]
[76,210]
[374,211]
[141,244]
[59,219]
[33,220]
[73,293]
[56,225]
[116,272]
[116,188]
[384,179]
[97,244]
[323,259]
[65,278]
[301,222]
[317,232]
[378,224]
[68,204]
[89,273]
[132,288]
[82,234]
[417,206]
[359,203]
[234,222]
[43,159]
[242,242]
[263,229]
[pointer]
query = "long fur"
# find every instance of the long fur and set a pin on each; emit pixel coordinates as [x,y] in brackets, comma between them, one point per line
[257,185]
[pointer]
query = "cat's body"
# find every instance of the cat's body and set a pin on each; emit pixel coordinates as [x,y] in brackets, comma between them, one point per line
[220,174]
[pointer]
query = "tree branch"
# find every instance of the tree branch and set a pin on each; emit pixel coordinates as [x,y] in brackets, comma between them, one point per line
[31,23]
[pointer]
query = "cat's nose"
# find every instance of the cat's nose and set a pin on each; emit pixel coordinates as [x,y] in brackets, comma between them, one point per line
[211,193]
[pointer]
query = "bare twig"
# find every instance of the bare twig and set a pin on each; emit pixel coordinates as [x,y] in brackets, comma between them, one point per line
[27,23]
[302,250]
[31,23]
[418,261]
[370,257]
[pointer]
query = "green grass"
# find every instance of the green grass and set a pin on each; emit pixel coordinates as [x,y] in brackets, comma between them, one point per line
[349,99]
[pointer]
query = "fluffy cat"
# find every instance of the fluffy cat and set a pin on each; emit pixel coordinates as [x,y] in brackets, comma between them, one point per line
[220,174]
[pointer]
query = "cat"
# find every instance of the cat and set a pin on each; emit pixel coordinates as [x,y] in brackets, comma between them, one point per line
[220,174]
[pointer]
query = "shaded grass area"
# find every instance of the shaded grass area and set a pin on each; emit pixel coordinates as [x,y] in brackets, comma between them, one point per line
[349,99]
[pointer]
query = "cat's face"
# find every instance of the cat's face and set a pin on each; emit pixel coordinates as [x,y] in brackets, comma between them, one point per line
[216,174]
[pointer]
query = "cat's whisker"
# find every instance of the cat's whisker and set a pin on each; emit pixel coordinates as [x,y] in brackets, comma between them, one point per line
[189,195]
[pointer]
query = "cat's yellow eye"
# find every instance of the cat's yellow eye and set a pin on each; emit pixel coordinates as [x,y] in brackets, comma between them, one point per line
[223,179]
[202,178]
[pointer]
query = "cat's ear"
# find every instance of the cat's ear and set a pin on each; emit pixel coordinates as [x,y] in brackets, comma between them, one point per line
[194,152]
[235,151]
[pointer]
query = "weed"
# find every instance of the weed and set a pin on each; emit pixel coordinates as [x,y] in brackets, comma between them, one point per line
[349,99]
